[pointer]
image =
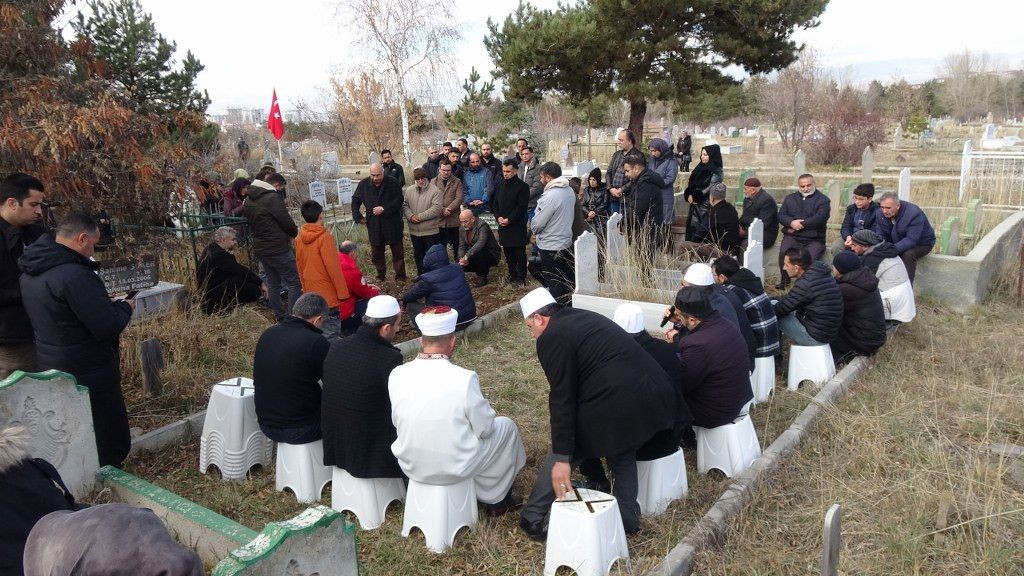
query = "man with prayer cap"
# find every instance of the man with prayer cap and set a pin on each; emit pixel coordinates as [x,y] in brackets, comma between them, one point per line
[447,431]
[727,303]
[631,318]
[608,398]
[355,408]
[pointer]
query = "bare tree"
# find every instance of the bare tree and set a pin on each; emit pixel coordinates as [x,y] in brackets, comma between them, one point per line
[407,40]
[364,103]
[788,98]
[969,84]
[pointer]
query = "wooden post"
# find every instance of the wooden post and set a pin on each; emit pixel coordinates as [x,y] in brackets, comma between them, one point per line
[832,540]
[151,354]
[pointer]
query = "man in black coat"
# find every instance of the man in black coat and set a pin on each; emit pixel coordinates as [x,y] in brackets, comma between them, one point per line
[226,283]
[491,163]
[863,329]
[511,198]
[608,398]
[642,216]
[757,203]
[718,233]
[287,367]
[433,162]
[356,408]
[804,218]
[478,249]
[383,199]
[77,326]
[272,230]
[21,210]
[392,168]
[812,312]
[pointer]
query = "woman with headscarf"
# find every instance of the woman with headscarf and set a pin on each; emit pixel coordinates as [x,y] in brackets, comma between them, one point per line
[664,163]
[234,196]
[683,147]
[707,172]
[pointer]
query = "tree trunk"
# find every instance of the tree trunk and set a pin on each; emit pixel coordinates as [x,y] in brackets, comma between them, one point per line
[637,111]
[403,107]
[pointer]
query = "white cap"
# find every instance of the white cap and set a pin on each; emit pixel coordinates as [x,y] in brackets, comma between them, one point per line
[437,321]
[630,317]
[535,300]
[699,274]
[383,306]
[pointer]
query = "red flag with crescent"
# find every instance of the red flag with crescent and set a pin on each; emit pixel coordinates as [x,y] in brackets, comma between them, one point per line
[274,122]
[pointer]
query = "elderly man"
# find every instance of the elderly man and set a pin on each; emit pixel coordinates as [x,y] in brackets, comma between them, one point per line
[863,329]
[316,256]
[356,410]
[479,184]
[511,199]
[804,218]
[729,304]
[288,364]
[907,227]
[529,172]
[812,312]
[20,217]
[618,184]
[478,249]
[552,225]
[392,168]
[894,284]
[433,162]
[451,198]
[608,398]
[382,197]
[272,230]
[78,326]
[422,208]
[226,283]
[447,431]
[757,203]
[718,233]
[352,308]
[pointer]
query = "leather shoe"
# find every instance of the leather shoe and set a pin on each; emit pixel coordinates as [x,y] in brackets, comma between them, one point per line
[535,531]
[506,505]
[481,281]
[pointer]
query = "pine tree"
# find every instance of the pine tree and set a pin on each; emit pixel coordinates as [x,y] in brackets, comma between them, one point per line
[472,116]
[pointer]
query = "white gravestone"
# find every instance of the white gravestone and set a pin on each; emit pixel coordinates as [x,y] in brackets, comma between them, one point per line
[965,168]
[586,263]
[345,189]
[56,414]
[755,232]
[616,248]
[318,192]
[903,191]
[753,259]
[897,138]
[988,132]
[583,169]
[760,144]
[374,158]
[799,163]
[329,164]
[867,165]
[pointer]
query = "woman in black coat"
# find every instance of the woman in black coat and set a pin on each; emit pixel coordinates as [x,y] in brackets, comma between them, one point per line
[863,329]
[706,173]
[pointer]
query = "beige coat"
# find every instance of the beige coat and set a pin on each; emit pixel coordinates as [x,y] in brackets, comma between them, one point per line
[425,204]
[451,198]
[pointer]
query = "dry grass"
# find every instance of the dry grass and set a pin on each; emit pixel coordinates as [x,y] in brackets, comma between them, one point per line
[907,441]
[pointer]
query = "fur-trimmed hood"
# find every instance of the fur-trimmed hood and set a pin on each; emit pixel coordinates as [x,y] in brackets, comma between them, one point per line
[13,446]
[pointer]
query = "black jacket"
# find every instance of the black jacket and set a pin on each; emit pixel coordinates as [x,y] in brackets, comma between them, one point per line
[869,220]
[77,326]
[270,223]
[705,174]
[286,370]
[596,201]
[607,395]
[483,241]
[747,280]
[763,206]
[817,302]
[863,328]
[813,210]
[644,207]
[721,227]
[386,228]
[395,170]
[510,200]
[493,165]
[14,324]
[219,274]
[880,252]
[431,167]
[356,408]
[715,379]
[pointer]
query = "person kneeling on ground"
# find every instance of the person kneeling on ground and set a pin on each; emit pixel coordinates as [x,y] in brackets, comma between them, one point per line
[288,365]
[447,431]
[351,309]
[885,263]
[226,283]
[442,283]
[478,249]
[863,328]
[812,312]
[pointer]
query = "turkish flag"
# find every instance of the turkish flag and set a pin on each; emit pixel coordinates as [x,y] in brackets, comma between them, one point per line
[274,122]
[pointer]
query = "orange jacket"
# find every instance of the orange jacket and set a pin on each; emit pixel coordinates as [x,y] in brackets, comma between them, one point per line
[317,259]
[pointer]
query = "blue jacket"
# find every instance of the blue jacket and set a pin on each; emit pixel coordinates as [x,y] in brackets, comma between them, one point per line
[857,220]
[910,228]
[443,283]
[479,185]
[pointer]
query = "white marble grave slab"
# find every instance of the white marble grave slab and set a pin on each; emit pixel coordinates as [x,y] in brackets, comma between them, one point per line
[616,243]
[799,164]
[586,263]
[903,190]
[755,232]
[753,259]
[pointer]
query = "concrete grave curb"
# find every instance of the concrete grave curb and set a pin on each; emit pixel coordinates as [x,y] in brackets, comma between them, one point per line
[710,529]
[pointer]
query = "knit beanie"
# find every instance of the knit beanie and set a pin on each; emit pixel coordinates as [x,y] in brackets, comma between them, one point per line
[596,175]
[846,261]
[866,238]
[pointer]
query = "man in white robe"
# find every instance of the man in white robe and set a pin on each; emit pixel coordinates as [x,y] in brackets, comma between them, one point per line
[447,431]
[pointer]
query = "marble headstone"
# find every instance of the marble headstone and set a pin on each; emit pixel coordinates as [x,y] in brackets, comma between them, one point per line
[799,164]
[755,232]
[55,411]
[760,144]
[903,191]
[329,164]
[583,169]
[897,138]
[965,168]
[753,259]
[867,165]
[586,263]
[374,158]
[988,132]
[616,242]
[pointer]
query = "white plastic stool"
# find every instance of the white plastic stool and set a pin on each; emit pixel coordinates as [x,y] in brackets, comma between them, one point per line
[585,534]
[762,381]
[730,448]
[301,468]
[439,512]
[231,438]
[812,363]
[661,482]
[367,498]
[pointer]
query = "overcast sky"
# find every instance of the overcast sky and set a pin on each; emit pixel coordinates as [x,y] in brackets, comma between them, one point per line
[245,59]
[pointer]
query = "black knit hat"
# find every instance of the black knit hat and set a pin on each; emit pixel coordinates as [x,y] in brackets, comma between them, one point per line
[846,261]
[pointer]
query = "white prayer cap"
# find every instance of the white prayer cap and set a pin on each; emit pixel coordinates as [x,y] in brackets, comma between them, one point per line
[535,300]
[699,274]
[383,306]
[630,317]
[437,321]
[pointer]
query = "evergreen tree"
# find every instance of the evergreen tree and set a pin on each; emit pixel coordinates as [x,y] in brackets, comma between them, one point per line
[472,116]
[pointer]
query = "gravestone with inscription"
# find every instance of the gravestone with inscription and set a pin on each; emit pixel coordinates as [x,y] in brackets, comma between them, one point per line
[123,275]
[616,242]
[586,263]
[55,412]
[329,165]
[318,192]
[345,190]
[897,138]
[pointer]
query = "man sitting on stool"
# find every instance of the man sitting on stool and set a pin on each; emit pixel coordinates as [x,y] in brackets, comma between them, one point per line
[287,367]
[447,431]
[478,249]
[812,312]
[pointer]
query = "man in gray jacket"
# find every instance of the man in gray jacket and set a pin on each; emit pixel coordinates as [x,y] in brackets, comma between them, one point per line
[529,172]
[552,226]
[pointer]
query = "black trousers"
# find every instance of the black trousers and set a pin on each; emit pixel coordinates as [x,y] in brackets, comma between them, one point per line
[910,258]
[481,263]
[515,258]
[226,297]
[558,268]
[420,244]
[109,415]
[450,236]
[815,247]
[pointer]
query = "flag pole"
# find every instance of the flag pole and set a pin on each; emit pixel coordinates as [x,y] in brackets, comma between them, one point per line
[280,162]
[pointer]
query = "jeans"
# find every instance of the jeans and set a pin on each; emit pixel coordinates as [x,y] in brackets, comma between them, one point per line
[353,322]
[792,327]
[281,273]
